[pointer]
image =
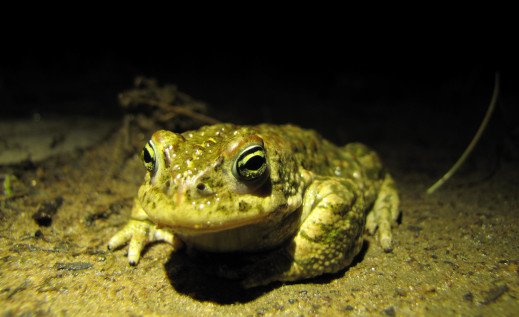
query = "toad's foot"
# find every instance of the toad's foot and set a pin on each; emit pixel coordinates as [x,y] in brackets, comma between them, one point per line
[139,233]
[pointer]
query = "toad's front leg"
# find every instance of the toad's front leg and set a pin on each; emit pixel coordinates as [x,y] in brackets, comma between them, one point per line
[331,232]
[139,231]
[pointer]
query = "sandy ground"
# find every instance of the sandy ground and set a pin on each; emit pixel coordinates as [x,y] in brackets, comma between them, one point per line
[456,252]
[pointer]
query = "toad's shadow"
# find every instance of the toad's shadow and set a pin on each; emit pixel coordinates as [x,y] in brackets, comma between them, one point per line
[217,277]
[199,275]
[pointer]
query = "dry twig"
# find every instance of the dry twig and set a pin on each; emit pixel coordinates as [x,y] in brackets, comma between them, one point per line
[473,143]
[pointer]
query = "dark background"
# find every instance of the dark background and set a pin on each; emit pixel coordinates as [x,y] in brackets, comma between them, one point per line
[408,85]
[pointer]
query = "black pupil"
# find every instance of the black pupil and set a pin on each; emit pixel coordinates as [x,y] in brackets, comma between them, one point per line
[255,163]
[147,157]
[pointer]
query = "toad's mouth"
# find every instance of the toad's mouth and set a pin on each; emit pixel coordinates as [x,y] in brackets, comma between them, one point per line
[188,226]
[192,221]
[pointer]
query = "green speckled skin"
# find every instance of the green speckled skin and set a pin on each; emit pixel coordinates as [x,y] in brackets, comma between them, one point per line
[313,200]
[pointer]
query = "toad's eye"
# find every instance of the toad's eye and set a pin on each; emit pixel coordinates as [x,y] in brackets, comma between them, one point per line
[148,157]
[251,164]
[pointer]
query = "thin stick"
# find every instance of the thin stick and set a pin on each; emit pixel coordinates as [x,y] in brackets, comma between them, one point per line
[473,143]
[15,195]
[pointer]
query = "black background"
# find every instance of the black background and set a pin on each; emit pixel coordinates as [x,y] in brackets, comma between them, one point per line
[424,80]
